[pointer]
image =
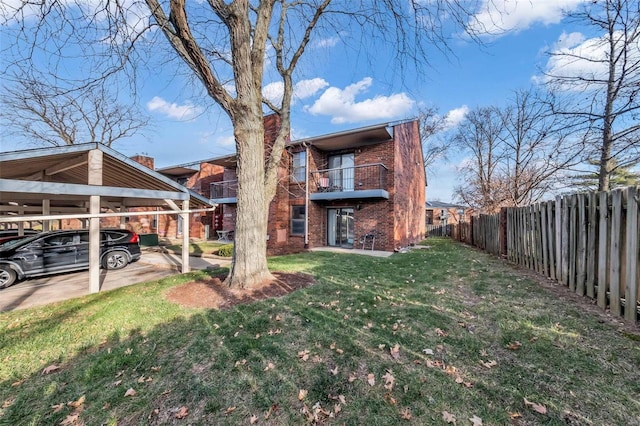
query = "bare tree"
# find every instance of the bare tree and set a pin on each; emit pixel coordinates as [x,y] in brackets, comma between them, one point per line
[434,148]
[40,112]
[225,45]
[479,134]
[600,84]
[537,146]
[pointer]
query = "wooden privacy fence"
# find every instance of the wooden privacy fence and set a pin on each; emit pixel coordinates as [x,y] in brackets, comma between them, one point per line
[588,242]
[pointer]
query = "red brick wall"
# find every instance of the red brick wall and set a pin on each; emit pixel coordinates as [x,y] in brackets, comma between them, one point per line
[409,185]
[148,162]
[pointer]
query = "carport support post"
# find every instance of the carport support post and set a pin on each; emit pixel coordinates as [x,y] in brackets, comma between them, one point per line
[95,178]
[185,237]
[46,211]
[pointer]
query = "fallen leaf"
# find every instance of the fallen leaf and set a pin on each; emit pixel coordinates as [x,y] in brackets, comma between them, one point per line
[535,406]
[337,408]
[50,369]
[489,364]
[334,371]
[406,414]
[253,419]
[229,410]
[278,318]
[141,379]
[304,355]
[448,417]
[70,419]
[339,351]
[514,346]
[389,380]
[352,378]
[78,403]
[476,421]
[332,346]
[269,366]
[302,394]
[515,415]
[129,351]
[441,332]
[56,408]
[116,383]
[342,399]
[389,398]
[182,413]
[428,351]
[395,352]
[18,383]
[130,392]
[371,379]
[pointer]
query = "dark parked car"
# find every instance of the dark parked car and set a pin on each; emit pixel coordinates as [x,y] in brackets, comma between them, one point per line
[64,251]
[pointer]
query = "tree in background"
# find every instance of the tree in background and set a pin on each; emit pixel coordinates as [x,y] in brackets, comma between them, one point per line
[516,153]
[434,148]
[536,145]
[478,135]
[46,114]
[230,47]
[620,177]
[599,84]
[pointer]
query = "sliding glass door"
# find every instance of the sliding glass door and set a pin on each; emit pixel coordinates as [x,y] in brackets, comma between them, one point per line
[340,227]
[341,171]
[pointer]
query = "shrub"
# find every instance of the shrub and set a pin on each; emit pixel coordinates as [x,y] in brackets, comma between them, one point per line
[226,250]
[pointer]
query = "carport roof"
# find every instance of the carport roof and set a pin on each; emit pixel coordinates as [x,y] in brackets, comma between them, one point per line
[61,174]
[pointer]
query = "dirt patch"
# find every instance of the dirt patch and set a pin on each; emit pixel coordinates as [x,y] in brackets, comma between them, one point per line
[212,293]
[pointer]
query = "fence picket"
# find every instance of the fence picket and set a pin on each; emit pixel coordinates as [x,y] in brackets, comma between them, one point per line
[581,245]
[632,297]
[591,244]
[603,245]
[614,257]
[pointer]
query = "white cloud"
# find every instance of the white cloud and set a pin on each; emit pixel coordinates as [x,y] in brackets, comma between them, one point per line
[301,90]
[226,140]
[343,107]
[327,42]
[274,92]
[306,88]
[455,116]
[575,56]
[172,110]
[497,17]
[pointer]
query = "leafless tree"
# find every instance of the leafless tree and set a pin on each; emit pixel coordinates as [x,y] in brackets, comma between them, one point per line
[537,147]
[599,83]
[434,147]
[230,47]
[479,134]
[39,112]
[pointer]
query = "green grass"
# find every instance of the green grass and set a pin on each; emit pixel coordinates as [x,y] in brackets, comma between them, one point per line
[227,366]
[197,247]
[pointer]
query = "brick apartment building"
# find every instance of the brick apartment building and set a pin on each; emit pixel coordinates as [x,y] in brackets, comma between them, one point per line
[360,186]
[344,189]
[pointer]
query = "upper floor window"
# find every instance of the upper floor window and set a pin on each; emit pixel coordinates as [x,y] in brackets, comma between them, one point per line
[299,166]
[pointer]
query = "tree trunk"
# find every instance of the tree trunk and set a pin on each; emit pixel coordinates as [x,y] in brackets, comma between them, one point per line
[249,267]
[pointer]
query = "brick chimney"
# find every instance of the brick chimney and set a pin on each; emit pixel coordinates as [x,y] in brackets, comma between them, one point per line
[144,160]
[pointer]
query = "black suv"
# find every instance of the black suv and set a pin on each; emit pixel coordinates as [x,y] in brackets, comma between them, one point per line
[64,251]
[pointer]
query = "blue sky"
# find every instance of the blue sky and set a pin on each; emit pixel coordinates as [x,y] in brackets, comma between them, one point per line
[335,91]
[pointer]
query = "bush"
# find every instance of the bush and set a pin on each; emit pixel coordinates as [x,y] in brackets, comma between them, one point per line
[226,250]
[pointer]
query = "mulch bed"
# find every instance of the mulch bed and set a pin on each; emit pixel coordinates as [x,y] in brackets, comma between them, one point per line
[213,294]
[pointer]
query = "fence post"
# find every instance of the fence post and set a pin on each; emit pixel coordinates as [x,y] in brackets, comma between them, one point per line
[631,276]
[503,231]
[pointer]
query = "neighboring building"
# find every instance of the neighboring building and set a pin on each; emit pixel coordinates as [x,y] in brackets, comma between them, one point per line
[439,213]
[342,188]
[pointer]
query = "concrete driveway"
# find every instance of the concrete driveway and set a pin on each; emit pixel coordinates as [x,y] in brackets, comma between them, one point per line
[54,288]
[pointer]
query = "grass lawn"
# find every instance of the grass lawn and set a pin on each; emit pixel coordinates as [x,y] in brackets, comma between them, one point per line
[197,247]
[418,338]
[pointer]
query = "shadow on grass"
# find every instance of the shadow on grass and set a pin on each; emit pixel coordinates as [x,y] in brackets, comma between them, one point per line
[333,340]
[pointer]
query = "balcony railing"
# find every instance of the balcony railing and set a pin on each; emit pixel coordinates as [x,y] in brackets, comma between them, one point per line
[368,181]
[224,191]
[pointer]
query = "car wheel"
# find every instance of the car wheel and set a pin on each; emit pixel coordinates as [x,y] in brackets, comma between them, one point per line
[7,276]
[116,259]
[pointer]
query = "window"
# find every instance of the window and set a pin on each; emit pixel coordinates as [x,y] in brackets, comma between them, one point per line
[297,220]
[299,166]
[429,217]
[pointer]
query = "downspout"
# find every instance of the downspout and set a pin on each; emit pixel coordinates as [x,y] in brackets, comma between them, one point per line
[306,196]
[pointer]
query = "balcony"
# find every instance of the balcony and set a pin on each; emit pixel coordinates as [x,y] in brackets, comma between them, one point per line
[359,182]
[224,192]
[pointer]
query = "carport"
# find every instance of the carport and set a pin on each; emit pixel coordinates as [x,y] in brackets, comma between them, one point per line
[88,182]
